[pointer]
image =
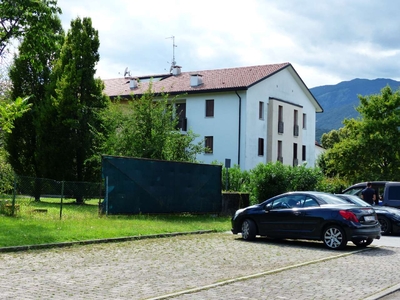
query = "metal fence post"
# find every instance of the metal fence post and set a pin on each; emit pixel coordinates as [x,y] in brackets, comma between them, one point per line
[106,196]
[62,197]
[13,198]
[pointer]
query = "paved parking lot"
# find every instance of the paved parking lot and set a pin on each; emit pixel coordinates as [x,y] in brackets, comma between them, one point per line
[204,266]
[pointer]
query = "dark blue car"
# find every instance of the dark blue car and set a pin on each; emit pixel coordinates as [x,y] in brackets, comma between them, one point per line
[309,215]
[388,217]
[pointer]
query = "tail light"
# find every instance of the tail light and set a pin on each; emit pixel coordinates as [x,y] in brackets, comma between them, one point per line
[348,215]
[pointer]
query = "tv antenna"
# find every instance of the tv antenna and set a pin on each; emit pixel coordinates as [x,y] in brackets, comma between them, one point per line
[127,72]
[173,64]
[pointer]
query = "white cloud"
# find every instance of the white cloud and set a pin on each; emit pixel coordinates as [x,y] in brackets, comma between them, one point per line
[326,41]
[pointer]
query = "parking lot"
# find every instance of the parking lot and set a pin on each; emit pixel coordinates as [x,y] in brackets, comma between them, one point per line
[203,266]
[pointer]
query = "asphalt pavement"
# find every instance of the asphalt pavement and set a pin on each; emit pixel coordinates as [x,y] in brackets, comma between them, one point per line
[203,266]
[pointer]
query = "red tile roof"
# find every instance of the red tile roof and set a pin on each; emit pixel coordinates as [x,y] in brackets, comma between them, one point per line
[213,80]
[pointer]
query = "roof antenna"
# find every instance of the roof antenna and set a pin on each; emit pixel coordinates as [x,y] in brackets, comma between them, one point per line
[173,64]
[127,73]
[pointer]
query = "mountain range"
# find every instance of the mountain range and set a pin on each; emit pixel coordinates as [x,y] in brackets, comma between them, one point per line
[339,101]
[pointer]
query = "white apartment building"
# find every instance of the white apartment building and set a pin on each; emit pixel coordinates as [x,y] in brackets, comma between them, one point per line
[250,115]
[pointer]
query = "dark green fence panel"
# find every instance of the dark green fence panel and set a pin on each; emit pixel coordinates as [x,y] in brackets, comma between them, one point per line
[136,185]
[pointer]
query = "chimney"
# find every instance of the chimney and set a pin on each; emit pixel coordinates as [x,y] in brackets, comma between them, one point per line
[176,70]
[133,83]
[196,80]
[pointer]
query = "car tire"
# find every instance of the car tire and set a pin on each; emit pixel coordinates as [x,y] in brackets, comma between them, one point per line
[386,226]
[248,230]
[363,243]
[334,237]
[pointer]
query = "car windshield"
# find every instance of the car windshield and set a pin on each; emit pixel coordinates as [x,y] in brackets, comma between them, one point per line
[354,191]
[331,199]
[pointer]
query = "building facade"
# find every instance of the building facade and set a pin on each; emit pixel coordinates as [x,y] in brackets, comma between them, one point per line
[249,115]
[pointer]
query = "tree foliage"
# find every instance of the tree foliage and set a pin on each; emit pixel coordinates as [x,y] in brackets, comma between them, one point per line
[146,127]
[30,77]
[367,148]
[72,145]
[9,112]
[21,16]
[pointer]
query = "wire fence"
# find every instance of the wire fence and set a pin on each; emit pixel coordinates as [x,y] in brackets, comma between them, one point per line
[48,188]
[42,187]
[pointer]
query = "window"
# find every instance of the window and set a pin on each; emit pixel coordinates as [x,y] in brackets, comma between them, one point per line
[280,158]
[304,121]
[260,147]
[280,119]
[209,144]
[296,123]
[181,114]
[261,110]
[303,153]
[295,159]
[209,108]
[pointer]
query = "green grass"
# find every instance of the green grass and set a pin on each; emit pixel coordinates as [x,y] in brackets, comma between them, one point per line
[83,222]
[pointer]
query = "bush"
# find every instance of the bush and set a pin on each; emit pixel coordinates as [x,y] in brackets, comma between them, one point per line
[238,180]
[6,174]
[333,185]
[268,180]
[271,179]
[303,178]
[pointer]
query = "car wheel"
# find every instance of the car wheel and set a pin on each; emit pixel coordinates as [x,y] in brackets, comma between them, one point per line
[363,243]
[385,225]
[334,237]
[248,230]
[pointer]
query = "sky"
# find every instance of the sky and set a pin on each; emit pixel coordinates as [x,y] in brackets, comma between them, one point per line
[327,42]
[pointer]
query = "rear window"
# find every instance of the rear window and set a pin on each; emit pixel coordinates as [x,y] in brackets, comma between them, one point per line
[331,199]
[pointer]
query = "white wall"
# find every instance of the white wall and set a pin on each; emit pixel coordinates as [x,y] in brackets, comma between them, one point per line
[281,86]
[224,125]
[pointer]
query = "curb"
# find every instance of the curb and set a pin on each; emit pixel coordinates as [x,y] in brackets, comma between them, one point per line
[98,241]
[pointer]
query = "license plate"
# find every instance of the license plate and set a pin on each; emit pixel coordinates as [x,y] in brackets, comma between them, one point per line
[369,218]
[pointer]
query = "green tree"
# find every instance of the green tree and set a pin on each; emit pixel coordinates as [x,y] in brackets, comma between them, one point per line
[30,76]
[75,108]
[9,112]
[368,148]
[147,127]
[20,16]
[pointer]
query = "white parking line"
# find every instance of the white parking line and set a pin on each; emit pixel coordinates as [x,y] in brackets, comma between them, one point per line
[221,283]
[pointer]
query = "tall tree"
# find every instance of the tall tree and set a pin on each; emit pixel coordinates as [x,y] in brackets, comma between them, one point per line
[30,76]
[368,148]
[77,103]
[20,16]
[148,128]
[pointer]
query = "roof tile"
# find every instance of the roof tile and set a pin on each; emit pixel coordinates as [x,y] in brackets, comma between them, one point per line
[213,80]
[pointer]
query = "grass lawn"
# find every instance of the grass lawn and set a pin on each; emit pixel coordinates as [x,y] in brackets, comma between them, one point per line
[39,223]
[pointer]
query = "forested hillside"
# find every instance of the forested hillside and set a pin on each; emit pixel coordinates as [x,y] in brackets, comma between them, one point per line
[339,101]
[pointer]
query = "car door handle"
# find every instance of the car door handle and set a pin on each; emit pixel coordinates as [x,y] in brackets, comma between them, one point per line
[297,213]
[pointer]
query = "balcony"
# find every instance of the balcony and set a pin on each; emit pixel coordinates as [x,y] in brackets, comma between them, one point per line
[182,124]
[280,127]
[296,130]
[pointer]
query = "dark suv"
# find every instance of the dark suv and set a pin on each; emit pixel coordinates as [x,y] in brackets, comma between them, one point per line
[388,192]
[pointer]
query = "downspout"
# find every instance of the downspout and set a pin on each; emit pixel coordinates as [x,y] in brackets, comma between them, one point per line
[240,125]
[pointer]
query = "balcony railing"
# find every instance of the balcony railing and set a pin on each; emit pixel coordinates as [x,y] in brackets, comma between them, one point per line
[296,130]
[280,127]
[182,124]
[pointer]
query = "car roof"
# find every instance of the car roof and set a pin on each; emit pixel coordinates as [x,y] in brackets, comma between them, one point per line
[373,182]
